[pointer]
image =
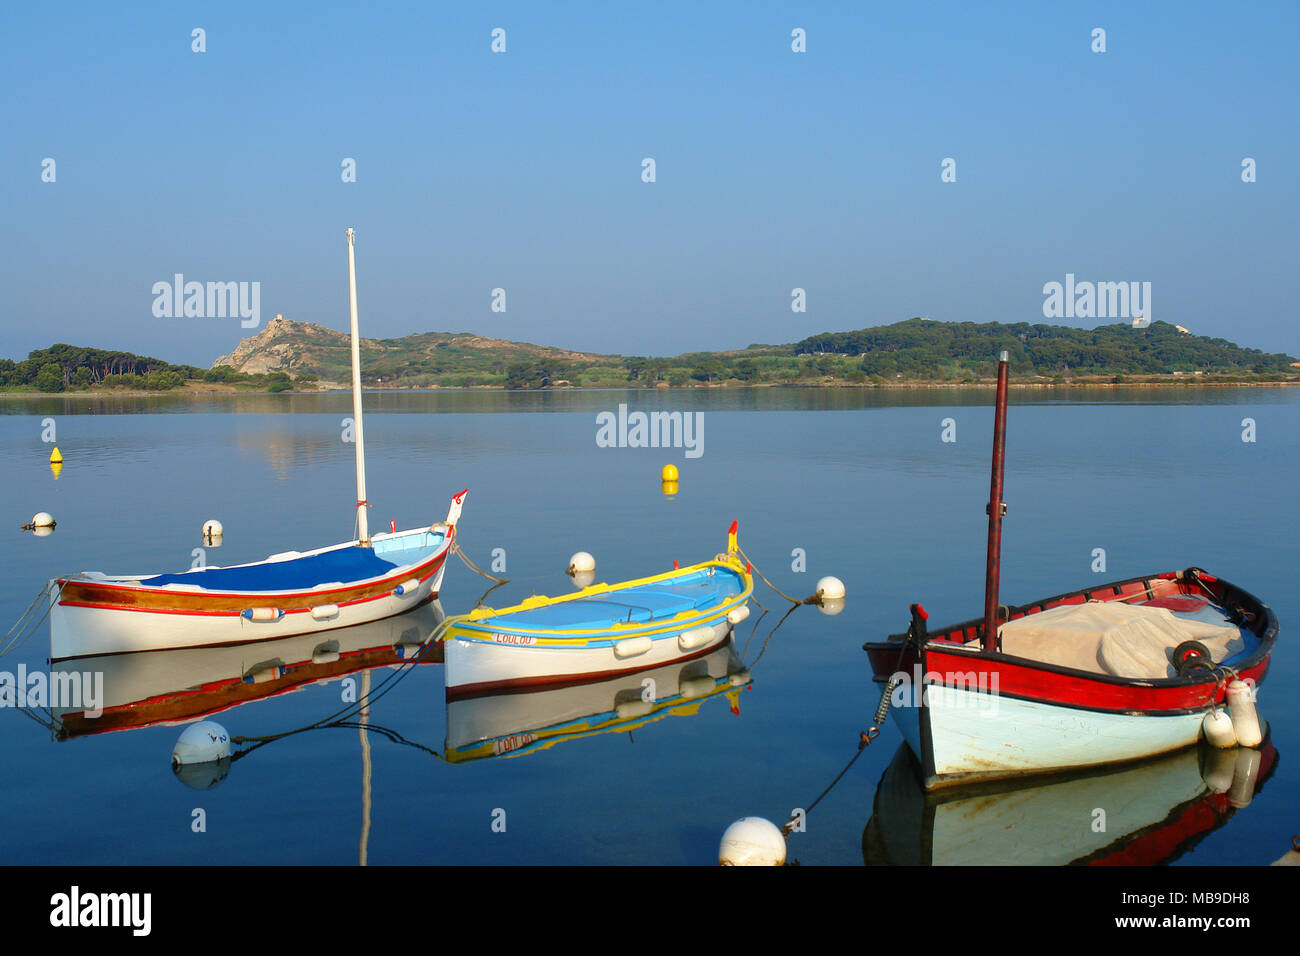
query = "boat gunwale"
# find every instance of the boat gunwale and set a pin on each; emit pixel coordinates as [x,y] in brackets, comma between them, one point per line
[112,587]
[488,622]
[1265,619]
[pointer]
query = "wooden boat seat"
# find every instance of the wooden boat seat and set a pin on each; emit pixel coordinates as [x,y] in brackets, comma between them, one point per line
[1121,640]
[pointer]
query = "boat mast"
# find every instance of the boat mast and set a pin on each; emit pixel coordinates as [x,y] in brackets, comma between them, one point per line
[996,509]
[363,532]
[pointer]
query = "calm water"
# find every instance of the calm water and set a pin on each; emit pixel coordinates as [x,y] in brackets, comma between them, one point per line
[860,481]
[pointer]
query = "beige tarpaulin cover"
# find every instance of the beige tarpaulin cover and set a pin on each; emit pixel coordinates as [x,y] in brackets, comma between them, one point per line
[1124,640]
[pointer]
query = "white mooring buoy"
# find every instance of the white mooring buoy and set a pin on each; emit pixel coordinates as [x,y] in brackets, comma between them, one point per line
[204,742]
[1241,708]
[582,561]
[42,519]
[830,589]
[752,841]
[212,529]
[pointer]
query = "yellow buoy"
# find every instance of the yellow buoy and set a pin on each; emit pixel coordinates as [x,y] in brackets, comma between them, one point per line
[55,457]
[669,488]
[669,473]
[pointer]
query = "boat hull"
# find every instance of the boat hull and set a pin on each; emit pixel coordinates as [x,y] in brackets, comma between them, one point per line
[91,618]
[610,630]
[481,667]
[971,715]
[971,735]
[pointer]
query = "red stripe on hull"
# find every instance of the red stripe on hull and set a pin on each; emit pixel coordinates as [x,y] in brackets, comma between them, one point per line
[248,599]
[1031,681]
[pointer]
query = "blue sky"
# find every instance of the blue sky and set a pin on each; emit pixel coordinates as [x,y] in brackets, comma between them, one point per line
[522,170]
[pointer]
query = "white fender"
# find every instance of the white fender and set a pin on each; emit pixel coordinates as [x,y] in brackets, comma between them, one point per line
[1241,708]
[262,615]
[738,614]
[632,647]
[695,637]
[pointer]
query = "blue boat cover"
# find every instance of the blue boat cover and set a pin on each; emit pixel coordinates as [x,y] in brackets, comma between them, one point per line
[647,602]
[296,574]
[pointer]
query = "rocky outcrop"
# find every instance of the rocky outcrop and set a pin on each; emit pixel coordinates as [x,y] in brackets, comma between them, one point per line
[280,347]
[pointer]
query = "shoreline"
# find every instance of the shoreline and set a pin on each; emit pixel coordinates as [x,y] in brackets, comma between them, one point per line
[206,391]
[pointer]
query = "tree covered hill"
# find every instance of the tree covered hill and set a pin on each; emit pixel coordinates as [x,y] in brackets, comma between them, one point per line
[288,354]
[64,368]
[921,348]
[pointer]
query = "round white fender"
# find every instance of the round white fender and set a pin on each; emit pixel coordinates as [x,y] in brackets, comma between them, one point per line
[738,614]
[323,612]
[632,646]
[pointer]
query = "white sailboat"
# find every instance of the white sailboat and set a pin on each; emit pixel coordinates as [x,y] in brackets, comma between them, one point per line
[290,593]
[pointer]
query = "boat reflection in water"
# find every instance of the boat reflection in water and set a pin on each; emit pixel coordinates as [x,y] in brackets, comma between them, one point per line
[1138,815]
[149,688]
[510,724]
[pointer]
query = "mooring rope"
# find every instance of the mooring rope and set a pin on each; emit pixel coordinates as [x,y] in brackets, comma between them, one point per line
[754,567]
[878,720]
[384,686]
[456,550]
[785,830]
[753,630]
[343,716]
[22,629]
[767,640]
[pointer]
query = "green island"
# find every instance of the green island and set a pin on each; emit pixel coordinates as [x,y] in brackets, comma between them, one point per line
[297,356]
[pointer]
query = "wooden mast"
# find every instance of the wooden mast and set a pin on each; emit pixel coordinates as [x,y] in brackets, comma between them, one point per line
[996,509]
[363,531]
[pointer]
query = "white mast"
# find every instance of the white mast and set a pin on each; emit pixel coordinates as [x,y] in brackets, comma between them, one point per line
[363,532]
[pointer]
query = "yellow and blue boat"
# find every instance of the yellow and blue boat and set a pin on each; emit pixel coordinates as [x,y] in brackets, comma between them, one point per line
[600,631]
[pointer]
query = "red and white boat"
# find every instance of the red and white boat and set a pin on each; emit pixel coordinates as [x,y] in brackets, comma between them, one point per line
[1104,674]
[291,593]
